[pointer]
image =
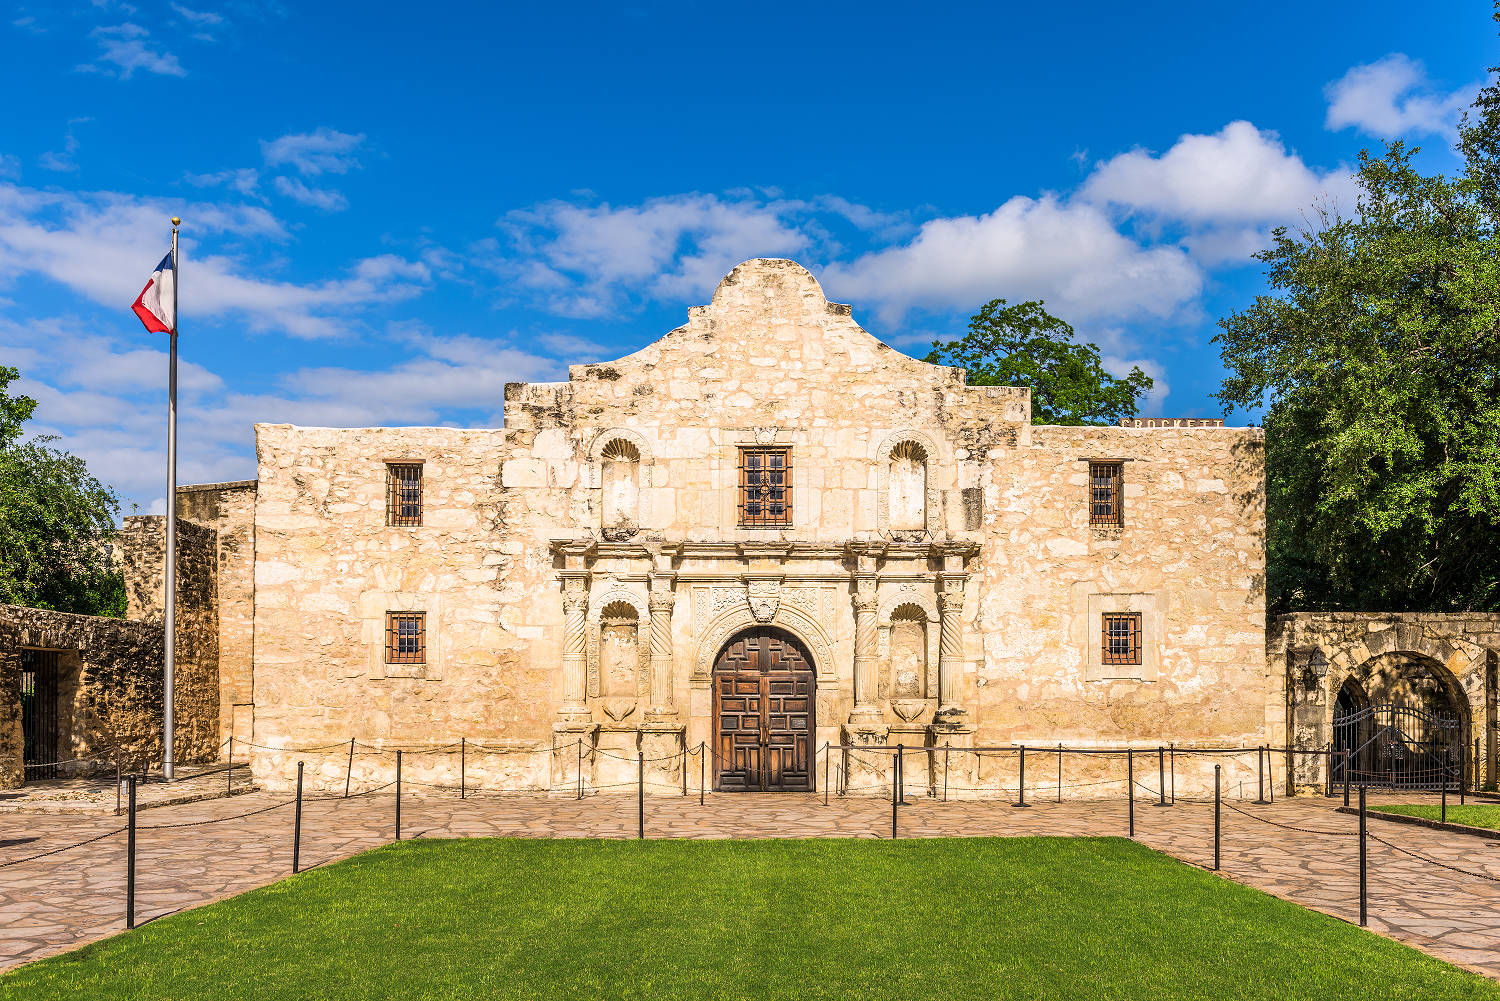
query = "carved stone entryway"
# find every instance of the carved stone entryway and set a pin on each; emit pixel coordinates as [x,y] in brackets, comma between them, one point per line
[763,713]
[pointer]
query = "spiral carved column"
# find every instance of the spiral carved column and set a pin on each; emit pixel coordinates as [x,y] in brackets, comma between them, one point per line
[575,647]
[950,647]
[866,688]
[662,600]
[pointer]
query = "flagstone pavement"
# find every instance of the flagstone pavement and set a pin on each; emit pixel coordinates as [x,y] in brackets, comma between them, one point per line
[1301,850]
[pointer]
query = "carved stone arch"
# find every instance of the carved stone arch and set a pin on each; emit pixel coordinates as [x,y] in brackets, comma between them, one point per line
[739,617]
[1457,664]
[933,463]
[615,593]
[646,461]
[907,594]
[603,438]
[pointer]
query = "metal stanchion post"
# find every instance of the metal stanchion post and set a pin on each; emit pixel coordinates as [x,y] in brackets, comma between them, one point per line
[398,795]
[702,768]
[1161,775]
[229,772]
[1346,776]
[1059,771]
[1463,770]
[827,757]
[640,794]
[463,768]
[1363,855]
[297,825]
[1130,785]
[684,768]
[1260,775]
[1443,815]
[580,768]
[895,789]
[1021,800]
[349,773]
[130,859]
[946,751]
[1216,818]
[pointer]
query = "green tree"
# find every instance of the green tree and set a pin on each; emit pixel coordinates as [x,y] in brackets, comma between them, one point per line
[1376,356]
[56,522]
[1024,345]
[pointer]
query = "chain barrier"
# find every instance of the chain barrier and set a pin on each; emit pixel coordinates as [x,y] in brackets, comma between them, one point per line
[64,848]
[1433,861]
[1290,827]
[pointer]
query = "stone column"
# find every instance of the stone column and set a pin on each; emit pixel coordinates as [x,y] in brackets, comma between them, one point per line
[950,647]
[662,601]
[866,665]
[575,600]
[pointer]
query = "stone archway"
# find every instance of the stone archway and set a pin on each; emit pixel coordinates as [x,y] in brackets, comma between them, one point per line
[764,713]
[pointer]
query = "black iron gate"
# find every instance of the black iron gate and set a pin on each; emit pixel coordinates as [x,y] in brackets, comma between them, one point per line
[39,714]
[1398,747]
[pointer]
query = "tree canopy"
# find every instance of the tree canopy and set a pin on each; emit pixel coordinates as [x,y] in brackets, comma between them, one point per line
[1024,345]
[1376,355]
[57,522]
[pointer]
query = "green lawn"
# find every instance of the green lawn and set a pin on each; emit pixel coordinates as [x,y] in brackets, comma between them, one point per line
[962,918]
[1470,815]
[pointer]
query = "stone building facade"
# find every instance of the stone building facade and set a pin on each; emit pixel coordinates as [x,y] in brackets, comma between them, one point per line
[765,533]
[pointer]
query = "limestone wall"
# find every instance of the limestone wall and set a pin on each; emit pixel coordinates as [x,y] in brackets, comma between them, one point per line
[142,550]
[939,549]
[229,509]
[328,568]
[109,691]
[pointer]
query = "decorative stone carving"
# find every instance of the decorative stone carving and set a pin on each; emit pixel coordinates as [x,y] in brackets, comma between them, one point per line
[764,595]
[934,460]
[950,647]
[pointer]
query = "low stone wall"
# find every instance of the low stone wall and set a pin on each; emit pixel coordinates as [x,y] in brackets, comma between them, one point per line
[109,692]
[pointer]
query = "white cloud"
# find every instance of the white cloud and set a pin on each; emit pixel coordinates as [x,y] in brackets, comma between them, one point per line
[1392,97]
[582,259]
[125,46]
[244,180]
[198,17]
[325,199]
[101,244]
[106,400]
[1240,174]
[324,151]
[1068,253]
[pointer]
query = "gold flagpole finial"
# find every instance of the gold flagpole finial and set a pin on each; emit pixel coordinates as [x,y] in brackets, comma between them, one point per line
[176,221]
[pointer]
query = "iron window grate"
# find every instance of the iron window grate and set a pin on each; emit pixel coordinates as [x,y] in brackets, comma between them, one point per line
[403,493]
[765,488]
[1106,494]
[406,637]
[1122,637]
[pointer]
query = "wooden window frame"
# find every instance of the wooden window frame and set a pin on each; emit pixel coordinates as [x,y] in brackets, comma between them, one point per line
[747,473]
[1106,493]
[396,501]
[393,652]
[1131,633]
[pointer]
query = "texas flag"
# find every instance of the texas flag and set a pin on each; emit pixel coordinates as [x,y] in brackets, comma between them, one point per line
[156,305]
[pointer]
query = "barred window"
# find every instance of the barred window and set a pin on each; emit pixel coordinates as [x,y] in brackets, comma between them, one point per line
[403,493]
[765,488]
[1122,637]
[406,637]
[1107,493]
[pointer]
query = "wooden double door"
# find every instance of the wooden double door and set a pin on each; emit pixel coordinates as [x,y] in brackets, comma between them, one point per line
[763,714]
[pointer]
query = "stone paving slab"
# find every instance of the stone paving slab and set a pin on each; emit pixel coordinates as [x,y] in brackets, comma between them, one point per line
[61,901]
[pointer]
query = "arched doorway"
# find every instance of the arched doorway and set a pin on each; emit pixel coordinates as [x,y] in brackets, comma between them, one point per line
[1401,719]
[763,713]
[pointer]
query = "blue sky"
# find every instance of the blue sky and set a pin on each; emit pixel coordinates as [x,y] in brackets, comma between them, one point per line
[390,212]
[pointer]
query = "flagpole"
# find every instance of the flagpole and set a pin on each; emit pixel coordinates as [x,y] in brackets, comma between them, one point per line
[168,761]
